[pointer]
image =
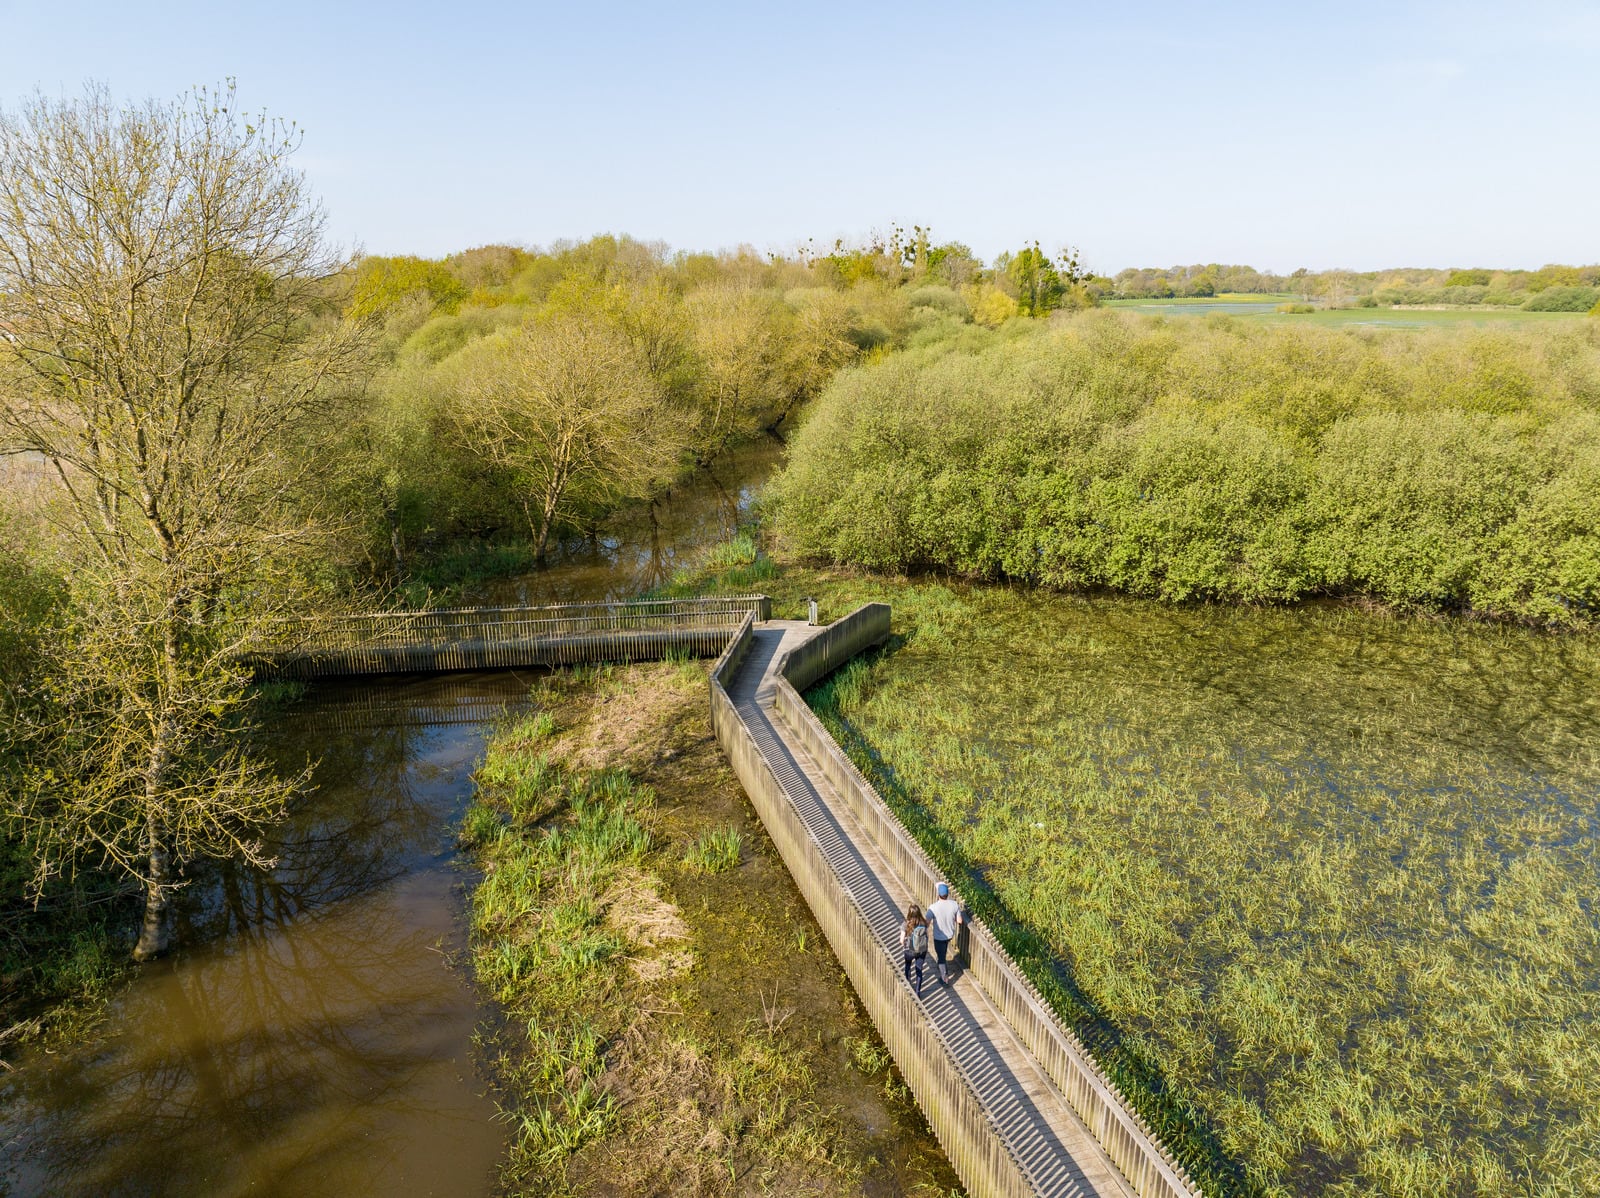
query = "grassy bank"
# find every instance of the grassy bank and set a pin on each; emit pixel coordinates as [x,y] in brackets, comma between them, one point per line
[674,1021]
[60,957]
[1229,460]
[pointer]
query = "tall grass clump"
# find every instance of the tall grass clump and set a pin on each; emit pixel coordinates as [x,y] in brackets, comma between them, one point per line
[714,851]
[1454,470]
[735,566]
[551,842]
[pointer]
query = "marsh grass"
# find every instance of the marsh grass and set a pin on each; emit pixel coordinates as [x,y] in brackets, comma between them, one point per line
[714,851]
[737,565]
[648,1043]
[743,549]
[1319,886]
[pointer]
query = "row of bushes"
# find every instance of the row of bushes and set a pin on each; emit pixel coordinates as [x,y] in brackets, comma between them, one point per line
[1221,460]
[1551,299]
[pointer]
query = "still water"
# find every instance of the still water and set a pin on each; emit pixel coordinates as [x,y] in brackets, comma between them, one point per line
[315,1037]
[643,548]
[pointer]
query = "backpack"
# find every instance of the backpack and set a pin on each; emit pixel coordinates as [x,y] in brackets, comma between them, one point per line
[917,946]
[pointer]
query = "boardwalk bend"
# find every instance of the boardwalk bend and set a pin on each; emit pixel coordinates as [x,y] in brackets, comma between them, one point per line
[1015,1099]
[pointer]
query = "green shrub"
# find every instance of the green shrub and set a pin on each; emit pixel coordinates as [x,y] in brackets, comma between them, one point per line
[1183,507]
[1409,507]
[942,300]
[1218,460]
[1564,299]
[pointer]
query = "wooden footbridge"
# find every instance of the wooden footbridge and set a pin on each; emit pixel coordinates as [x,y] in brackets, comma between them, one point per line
[1013,1096]
[491,638]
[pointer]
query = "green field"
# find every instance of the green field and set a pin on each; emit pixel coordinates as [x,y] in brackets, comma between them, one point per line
[1264,307]
[1336,874]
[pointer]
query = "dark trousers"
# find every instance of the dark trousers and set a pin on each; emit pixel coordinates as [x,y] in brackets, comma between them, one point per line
[910,960]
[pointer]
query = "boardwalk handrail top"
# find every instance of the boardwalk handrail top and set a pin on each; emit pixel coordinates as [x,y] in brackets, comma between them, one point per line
[598,605]
[498,637]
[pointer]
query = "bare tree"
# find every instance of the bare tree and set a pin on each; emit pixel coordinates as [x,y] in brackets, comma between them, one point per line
[566,407]
[166,349]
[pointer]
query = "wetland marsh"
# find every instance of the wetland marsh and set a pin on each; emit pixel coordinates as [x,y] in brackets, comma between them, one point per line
[1334,874]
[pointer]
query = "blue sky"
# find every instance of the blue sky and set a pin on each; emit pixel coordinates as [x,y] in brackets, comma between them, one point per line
[1351,134]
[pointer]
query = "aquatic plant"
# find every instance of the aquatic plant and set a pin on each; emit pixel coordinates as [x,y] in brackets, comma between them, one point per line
[1327,880]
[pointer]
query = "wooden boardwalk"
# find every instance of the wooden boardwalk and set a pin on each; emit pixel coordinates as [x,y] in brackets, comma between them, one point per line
[1015,1099]
[1057,1154]
[494,638]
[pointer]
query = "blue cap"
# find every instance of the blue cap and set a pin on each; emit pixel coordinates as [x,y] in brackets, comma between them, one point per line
[944,891]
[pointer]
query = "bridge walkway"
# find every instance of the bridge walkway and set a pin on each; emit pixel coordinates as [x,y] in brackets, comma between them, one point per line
[1058,1153]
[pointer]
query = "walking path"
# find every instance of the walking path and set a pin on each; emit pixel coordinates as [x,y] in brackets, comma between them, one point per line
[1055,1150]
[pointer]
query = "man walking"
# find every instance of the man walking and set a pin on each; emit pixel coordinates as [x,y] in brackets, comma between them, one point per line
[944,917]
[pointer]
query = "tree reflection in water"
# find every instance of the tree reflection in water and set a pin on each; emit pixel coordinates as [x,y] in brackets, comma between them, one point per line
[315,1041]
[644,546]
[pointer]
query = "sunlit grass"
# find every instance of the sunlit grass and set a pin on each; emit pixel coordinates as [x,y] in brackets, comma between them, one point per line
[714,851]
[618,1066]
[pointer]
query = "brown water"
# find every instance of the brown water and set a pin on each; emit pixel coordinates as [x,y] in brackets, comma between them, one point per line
[316,1035]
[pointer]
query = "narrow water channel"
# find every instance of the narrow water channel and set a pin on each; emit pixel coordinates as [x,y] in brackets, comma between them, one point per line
[315,1035]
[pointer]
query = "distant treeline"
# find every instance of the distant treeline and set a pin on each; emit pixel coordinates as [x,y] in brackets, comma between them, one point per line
[521,394]
[1455,470]
[1549,289]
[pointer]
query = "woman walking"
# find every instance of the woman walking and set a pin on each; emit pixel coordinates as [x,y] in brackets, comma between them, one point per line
[914,943]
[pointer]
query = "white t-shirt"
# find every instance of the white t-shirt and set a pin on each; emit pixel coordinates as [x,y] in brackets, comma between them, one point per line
[943,915]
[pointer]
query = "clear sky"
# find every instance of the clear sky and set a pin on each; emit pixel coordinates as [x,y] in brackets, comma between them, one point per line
[1279,134]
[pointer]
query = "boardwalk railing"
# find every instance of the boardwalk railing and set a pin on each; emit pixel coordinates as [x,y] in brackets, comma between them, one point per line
[962,1124]
[974,1146]
[477,638]
[1071,1068]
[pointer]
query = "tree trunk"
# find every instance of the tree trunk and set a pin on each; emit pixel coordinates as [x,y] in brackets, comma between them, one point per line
[155,936]
[394,544]
[541,543]
[547,517]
